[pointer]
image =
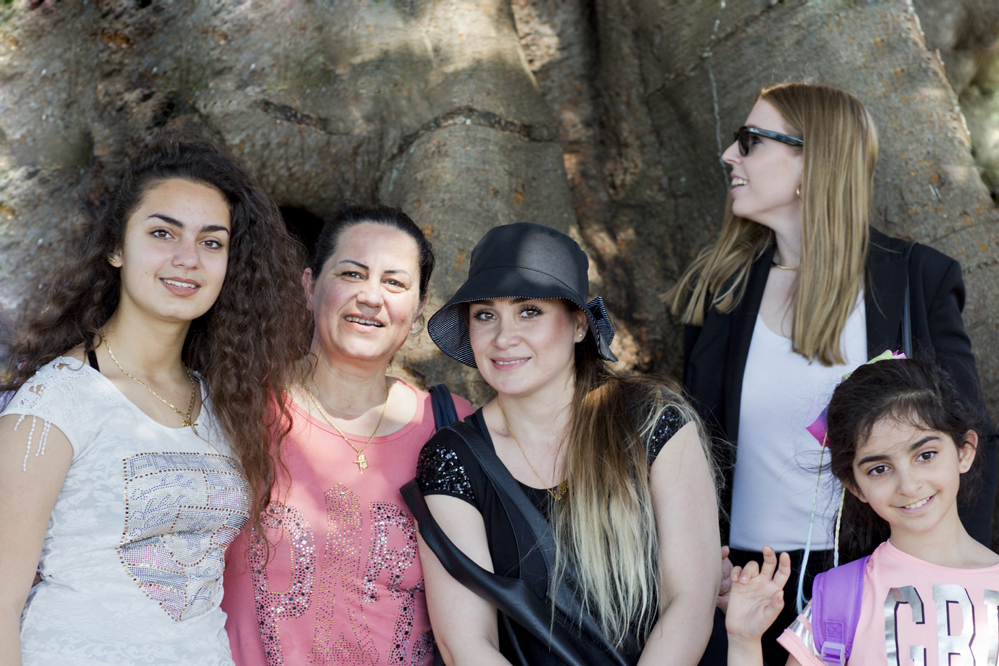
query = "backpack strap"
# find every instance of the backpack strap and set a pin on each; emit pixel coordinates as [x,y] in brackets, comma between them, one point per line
[443,405]
[836,596]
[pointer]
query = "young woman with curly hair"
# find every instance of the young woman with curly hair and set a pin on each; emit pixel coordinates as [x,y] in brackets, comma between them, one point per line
[137,444]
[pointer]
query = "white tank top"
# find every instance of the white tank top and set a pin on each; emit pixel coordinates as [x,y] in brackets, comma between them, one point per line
[777,459]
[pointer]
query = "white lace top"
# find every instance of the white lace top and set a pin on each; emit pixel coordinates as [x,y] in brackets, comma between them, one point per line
[133,555]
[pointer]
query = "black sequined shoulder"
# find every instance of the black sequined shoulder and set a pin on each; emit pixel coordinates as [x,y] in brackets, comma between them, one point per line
[670,422]
[439,470]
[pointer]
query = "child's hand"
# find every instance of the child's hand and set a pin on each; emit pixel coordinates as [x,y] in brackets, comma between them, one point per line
[726,580]
[756,597]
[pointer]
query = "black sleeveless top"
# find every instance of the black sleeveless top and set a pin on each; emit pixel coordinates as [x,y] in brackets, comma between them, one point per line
[446,467]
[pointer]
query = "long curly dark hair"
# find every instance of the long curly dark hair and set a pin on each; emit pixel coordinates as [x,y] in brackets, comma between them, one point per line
[911,391]
[246,345]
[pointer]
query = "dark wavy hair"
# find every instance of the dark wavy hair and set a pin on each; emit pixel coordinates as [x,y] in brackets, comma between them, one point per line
[245,346]
[911,391]
[351,215]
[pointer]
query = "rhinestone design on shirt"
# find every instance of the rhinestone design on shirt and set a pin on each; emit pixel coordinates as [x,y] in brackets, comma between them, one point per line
[297,598]
[440,472]
[181,511]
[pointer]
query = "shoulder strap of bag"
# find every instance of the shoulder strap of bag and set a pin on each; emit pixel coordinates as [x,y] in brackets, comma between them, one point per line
[511,596]
[443,405]
[515,502]
[836,596]
[906,308]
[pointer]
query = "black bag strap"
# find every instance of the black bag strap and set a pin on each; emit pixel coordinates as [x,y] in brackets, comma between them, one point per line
[511,596]
[443,405]
[515,501]
[92,359]
[906,309]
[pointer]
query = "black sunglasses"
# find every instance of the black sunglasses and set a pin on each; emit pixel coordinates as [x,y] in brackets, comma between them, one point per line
[742,138]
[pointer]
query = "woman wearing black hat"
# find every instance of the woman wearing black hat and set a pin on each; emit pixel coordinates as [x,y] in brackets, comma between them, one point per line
[578,502]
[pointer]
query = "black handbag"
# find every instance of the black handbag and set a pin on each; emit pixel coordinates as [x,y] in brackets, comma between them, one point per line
[572,635]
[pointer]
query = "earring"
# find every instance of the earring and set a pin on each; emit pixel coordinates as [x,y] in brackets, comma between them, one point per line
[113,260]
[797,191]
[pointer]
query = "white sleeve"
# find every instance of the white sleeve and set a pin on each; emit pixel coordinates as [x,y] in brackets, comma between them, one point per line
[65,394]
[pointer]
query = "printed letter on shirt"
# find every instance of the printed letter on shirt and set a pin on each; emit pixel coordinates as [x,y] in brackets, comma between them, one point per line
[896,597]
[949,643]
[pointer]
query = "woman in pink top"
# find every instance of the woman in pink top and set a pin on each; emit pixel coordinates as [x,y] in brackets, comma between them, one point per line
[339,578]
[905,448]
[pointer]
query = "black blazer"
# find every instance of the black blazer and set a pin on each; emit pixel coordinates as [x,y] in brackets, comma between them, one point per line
[715,353]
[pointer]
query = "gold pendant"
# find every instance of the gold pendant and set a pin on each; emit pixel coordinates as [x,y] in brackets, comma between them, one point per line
[361,462]
[188,424]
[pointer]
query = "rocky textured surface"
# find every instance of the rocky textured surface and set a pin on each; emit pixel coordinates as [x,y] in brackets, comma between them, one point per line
[603,118]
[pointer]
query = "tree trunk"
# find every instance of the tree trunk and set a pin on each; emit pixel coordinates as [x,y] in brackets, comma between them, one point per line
[603,118]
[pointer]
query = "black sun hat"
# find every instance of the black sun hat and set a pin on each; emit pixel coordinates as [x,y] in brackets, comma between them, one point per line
[521,260]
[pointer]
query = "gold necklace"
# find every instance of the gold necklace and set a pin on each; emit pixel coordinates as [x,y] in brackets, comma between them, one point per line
[563,487]
[188,421]
[362,461]
[785,268]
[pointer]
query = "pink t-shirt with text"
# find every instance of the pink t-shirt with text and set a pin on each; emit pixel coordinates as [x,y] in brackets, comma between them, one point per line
[915,613]
[343,584]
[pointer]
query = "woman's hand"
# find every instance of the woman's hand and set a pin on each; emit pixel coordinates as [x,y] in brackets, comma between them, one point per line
[757,597]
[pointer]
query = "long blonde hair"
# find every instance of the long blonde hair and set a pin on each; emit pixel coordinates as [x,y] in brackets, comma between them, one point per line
[840,152]
[606,526]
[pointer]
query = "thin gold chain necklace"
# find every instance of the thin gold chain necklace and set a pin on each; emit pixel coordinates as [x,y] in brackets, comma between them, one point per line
[563,487]
[784,268]
[362,461]
[188,421]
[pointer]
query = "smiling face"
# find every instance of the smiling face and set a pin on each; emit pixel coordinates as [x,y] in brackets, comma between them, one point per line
[523,345]
[911,476]
[765,181]
[175,251]
[366,300]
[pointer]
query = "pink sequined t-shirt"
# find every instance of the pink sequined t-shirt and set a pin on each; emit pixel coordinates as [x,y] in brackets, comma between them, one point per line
[344,583]
[914,612]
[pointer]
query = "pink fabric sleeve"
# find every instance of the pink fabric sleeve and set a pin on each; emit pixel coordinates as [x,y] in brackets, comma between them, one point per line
[797,640]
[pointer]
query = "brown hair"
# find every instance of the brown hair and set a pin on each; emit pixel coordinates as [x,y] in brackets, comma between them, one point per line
[840,152]
[606,526]
[246,344]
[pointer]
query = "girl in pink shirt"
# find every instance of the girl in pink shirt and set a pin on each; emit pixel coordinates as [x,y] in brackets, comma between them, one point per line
[904,447]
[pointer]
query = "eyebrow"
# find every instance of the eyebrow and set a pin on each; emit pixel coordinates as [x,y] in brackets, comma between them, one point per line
[491,302]
[912,447]
[360,265]
[210,228]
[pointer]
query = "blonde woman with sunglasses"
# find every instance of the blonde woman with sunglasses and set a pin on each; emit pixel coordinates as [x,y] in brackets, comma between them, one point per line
[798,290]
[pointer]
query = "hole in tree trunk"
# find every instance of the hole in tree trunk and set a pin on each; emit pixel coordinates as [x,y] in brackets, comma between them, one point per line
[304,226]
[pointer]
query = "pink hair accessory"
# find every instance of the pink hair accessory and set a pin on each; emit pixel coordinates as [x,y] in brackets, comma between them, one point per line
[818,413]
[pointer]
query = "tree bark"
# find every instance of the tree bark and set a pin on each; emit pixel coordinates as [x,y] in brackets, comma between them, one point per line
[603,118]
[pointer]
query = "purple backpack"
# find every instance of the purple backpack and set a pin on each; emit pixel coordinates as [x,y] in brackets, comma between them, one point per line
[836,596]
